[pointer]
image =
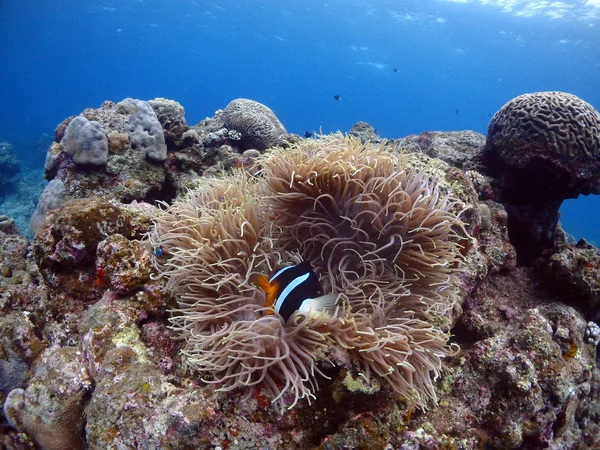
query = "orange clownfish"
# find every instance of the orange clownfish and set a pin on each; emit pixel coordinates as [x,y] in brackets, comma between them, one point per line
[295,288]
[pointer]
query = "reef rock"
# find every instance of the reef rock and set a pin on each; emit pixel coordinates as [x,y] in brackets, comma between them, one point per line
[453,147]
[364,132]
[89,355]
[9,165]
[171,116]
[51,409]
[7,225]
[527,376]
[145,151]
[575,271]
[66,251]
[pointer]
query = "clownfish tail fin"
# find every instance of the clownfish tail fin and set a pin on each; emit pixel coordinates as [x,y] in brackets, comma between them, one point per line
[325,303]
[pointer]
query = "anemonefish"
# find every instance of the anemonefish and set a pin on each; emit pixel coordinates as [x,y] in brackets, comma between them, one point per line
[294,288]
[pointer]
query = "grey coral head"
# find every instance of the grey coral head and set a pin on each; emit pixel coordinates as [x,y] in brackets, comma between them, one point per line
[86,142]
[553,136]
[380,236]
[257,124]
[146,131]
[51,198]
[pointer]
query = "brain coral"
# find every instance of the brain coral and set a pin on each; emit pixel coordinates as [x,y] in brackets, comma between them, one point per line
[258,125]
[541,149]
[555,133]
[379,235]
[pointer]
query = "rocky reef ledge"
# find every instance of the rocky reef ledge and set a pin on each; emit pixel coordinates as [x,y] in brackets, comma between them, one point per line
[466,318]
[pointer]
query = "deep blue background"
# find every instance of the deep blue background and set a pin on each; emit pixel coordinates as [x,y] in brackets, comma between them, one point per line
[457,62]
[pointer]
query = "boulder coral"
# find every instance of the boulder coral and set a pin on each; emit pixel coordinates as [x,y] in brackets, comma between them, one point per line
[379,235]
[171,116]
[51,198]
[257,124]
[86,142]
[541,149]
[146,131]
[115,152]
[551,132]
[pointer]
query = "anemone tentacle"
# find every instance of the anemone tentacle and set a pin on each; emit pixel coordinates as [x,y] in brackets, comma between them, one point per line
[381,236]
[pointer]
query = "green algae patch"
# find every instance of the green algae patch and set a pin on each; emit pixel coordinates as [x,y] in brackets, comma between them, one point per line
[360,384]
[130,337]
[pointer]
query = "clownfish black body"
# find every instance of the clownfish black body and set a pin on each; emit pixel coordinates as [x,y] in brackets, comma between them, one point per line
[295,288]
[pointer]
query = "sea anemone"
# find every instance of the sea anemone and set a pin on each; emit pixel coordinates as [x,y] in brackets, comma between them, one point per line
[380,236]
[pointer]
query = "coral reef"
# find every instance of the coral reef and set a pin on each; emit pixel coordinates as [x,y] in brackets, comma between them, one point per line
[171,116]
[453,147]
[364,132]
[575,271]
[133,144]
[9,166]
[382,237]
[100,350]
[145,151]
[541,148]
[258,126]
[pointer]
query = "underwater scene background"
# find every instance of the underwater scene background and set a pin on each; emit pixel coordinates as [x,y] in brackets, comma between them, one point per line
[403,67]
[347,240]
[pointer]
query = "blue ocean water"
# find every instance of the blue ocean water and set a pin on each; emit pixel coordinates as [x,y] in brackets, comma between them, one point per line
[403,66]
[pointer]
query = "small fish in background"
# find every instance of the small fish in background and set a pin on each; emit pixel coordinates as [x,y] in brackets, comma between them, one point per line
[295,288]
[100,278]
[456,111]
[308,134]
[119,31]
[396,71]
[337,97]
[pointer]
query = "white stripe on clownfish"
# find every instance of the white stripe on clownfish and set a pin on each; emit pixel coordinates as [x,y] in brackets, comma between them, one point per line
[279,272]
[289,288]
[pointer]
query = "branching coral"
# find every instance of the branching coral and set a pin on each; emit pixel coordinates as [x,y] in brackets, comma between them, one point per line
[380,236]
